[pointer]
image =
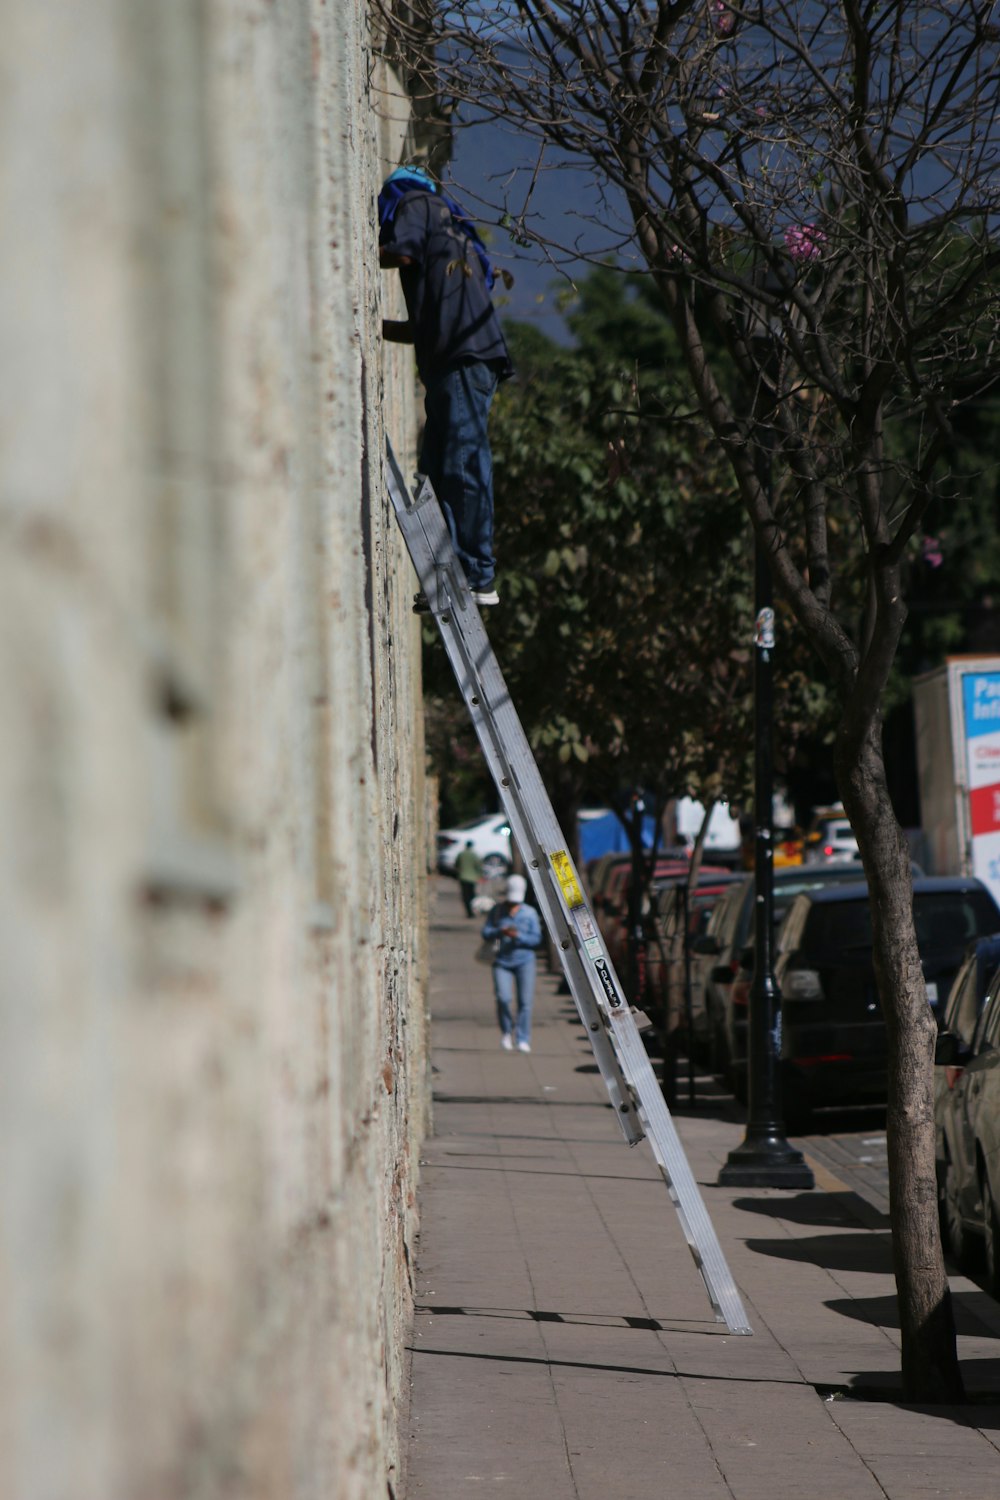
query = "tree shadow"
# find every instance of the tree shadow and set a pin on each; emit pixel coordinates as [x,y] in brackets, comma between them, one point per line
[830,1209]
[980,1409]
[868,1250]
[969,1309]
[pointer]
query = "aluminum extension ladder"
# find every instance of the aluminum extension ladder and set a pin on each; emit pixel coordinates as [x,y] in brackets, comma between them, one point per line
[600,1001]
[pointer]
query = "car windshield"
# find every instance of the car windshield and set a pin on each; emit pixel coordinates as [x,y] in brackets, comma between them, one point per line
[817,878]
[838,927]
[944,920]
[963,1003]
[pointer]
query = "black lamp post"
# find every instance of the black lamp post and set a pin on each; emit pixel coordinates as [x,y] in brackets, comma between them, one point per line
[636,936]
[765,1158]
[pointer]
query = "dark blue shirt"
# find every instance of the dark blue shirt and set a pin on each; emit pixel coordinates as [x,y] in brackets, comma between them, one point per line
[451,313]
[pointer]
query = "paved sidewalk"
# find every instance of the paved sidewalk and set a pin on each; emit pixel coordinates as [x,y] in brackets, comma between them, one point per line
[563,1346]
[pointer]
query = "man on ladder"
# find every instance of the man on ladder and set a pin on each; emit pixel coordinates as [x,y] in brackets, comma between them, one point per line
[461,356]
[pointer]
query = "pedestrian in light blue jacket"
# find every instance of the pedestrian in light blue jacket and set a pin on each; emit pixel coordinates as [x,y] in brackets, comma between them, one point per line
[520,933]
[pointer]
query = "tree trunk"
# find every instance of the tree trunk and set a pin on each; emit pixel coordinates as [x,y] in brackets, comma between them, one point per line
[698,848]
[929,1356]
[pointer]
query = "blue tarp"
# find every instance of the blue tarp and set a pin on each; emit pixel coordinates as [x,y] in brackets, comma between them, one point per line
[604,833]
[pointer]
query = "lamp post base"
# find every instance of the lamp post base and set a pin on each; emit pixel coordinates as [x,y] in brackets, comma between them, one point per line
[765,1159]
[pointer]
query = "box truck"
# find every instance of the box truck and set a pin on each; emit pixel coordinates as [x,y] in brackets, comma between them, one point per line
[957,718]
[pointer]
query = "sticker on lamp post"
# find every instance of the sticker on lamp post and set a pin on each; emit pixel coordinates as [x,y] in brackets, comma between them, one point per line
[763,630]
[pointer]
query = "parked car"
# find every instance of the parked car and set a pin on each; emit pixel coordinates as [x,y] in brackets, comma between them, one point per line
[958,1106]
[666,960]
[829,839]
[490,838]
[605,875]
[718,1002]
[612,908]
[598,871]
[833,1039]
[728,1041]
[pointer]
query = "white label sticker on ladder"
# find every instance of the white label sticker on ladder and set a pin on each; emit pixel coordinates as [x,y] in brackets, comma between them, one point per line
[587,929]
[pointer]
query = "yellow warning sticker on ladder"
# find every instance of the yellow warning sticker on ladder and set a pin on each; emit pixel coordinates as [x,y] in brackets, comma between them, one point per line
[572,894]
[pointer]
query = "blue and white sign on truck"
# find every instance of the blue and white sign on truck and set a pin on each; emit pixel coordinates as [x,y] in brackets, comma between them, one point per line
[957,716]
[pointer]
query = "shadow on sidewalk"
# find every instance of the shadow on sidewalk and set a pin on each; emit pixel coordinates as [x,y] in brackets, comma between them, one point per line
[535,1099]
[573,1320]
[969,1308]
[870,1250]
[819,1209]
[725,1377]
[981,1408]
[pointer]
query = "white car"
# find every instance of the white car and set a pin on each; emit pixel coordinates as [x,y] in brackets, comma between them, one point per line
[490,838]
[830,840]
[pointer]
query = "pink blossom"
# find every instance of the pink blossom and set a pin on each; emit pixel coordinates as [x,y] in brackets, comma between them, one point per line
[931,552]
[804,241]
[723,20]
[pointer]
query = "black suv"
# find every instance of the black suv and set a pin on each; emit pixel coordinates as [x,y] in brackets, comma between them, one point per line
[833,1041]
[719,990]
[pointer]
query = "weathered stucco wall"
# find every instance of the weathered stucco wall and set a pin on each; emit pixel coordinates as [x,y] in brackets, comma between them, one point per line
[212,1047]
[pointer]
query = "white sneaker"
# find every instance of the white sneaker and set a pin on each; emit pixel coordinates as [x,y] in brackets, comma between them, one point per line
[485,596]
[507,1042]
[524,1046]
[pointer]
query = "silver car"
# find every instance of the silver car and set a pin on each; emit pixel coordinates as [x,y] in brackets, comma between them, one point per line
[967,1111]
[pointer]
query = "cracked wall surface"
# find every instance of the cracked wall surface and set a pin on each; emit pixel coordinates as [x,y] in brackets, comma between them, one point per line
[212,967]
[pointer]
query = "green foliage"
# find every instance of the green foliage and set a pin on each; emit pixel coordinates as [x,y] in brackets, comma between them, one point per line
[626,563]
[953,582]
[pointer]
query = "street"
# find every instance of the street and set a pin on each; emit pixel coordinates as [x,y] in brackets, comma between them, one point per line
[852,1148]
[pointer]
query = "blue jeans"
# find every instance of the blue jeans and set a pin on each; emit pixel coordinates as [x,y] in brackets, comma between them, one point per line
[455,455]
[505,981]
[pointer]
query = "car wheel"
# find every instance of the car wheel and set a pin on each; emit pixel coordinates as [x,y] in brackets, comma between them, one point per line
[952,1225]
[495,866]
[991,1239]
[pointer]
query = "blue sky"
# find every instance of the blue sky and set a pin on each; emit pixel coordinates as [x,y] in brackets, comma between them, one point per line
[495,166]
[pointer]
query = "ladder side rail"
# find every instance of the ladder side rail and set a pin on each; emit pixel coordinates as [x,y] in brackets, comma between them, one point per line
[537,859]
[699,1231]
[568,918]
[429,542]
[536,845]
